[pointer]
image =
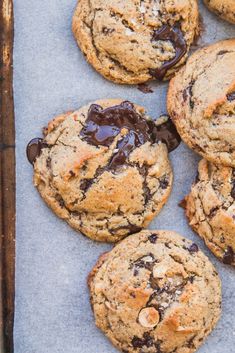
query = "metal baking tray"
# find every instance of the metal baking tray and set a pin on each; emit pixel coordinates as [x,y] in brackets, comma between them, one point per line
[51,310]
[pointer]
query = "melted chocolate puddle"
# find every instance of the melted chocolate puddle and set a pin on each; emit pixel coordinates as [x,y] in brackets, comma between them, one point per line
[175,35]
[103,125]
[34,149]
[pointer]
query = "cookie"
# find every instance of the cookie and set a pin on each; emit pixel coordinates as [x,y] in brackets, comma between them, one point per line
[201,102]
[223,8]
[210,208]
[105,168]
[132,42]
[155,292]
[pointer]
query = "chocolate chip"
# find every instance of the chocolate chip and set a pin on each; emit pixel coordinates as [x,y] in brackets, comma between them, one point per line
[60,200]
[136,272]
[188,93]
[193,248]
[144,88]
[34,149]
[148,340]
[190,343]
[143,263]
[48,162]
[185,94]
[175,35]
[191,103]
[153,238]
[228,257]
[163,183]
[72,174]
[231,96]
[167,133]
[191,279]
[137,342]
[85,184]
[146,191]
[213,212]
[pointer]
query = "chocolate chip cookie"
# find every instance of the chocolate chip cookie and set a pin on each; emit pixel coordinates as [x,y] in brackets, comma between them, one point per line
[201,102]
[223,8]
[105,168]
[129,41]
[210,208]
[155,292]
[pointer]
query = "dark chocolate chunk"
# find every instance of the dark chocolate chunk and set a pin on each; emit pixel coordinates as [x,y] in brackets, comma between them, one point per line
[136,272]
[190,92]
[229,256]
[147,341]
[213,212]
[193,248]
[231,96]
[137,342]
[163,183]
[175,35]
[167,133]
[34,149]
[153,238]
[191,279]
[146,191]
[48,162]
[145,88]
[72,174]
[60,200]
[190,343]
[85,184]
[233,191]
[185,94]
[142,263]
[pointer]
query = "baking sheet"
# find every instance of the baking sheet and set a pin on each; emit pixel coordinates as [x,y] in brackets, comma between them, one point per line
[51,76]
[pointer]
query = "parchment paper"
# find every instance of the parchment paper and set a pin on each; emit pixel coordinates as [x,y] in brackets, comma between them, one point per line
[51,76]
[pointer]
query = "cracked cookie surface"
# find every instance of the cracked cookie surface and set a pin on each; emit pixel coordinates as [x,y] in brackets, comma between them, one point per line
[201,102]
[210,208]
[133,41]
[103,169]
[155,292]
[223,8]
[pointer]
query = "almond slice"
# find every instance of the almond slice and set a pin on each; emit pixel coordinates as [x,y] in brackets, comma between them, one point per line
[149,317]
